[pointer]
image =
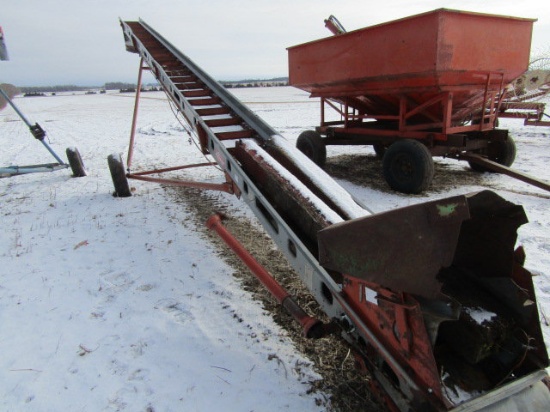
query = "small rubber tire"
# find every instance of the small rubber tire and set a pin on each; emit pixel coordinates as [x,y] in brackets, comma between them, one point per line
[75,162]
[408,166]
[502,152]
[311,144]
[118,174]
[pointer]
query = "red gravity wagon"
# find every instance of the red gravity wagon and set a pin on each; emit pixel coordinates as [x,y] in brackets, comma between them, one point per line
[422,86]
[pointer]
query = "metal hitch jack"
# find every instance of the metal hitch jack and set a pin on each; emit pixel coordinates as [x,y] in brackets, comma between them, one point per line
[75,161]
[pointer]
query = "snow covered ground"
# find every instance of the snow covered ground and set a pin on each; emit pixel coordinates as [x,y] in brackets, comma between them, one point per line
[122,304]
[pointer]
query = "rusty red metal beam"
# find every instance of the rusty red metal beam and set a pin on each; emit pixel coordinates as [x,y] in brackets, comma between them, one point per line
[497,167]
[313,328]
[135,115]
[222,187]
[227,187]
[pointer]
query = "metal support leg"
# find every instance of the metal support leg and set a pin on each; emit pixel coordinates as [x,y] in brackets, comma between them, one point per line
[134,118]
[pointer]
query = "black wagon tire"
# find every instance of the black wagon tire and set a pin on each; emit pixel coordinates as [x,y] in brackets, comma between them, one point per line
[311,144]
[408,166]
[501,151]
[75,162]
[118,174]
[380,149]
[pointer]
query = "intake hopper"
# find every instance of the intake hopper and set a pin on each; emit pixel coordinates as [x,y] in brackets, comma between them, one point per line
[455,259]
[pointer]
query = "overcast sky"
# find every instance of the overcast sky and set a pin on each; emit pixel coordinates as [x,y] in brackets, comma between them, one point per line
[53,42]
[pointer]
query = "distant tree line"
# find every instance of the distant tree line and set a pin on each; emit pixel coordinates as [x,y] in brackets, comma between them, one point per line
[52,89]
[34,94]
[275,82]
[119,86]
[74,88]
[131,87]
[237,85]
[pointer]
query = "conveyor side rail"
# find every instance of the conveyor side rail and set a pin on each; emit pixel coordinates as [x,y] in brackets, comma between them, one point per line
[314,276]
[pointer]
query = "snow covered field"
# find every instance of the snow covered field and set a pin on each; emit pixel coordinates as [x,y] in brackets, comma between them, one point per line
[122,304]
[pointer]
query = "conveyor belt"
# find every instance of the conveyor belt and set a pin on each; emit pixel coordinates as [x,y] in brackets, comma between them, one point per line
[206,104]
[304,210]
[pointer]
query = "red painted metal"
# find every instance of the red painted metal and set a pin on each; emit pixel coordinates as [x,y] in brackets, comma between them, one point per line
[440,78]
[532,113]
[228,186]
[497,167]
[433,70]
[135,115]
[429,52]
[458,237]
[401,329]
[313,328]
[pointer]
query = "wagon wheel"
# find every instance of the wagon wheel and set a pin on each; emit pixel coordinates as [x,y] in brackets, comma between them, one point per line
[408,166]
[311,144]
[380,149]
[75,161]
[501,151]
[116,166]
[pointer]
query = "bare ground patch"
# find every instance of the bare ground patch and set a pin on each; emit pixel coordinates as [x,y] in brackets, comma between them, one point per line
[366,170]
[346,386]
[348,389]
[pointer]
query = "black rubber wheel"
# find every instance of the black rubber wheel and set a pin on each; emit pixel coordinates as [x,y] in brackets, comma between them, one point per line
[408,166]
[501,151]
[118,174]
[380,150]
[75,161]
[311,144]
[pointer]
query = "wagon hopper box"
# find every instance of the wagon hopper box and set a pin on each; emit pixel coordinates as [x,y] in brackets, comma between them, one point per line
[422,86]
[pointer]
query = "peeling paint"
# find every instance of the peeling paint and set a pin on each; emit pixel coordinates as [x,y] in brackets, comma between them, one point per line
[446,210]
